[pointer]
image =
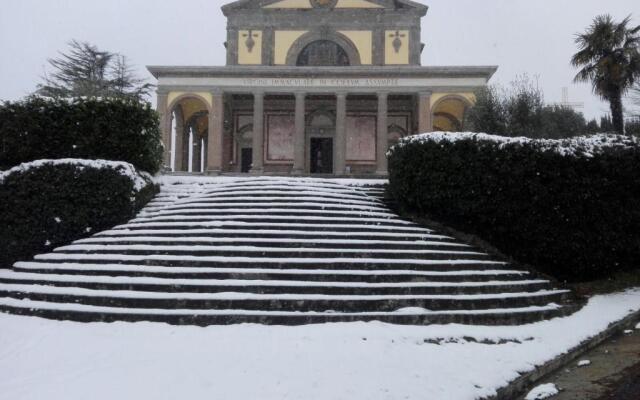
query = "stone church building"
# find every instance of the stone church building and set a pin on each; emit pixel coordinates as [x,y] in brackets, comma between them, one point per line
[310,87]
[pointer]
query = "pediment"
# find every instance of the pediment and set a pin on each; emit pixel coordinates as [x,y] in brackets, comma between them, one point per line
[310,4]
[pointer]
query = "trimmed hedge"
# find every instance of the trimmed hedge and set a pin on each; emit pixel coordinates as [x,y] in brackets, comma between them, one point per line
[50,203]
[108,129]
[570,208]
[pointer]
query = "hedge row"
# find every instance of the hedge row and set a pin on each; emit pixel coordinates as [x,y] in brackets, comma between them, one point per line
[109,129]
[570,208]
[51,203]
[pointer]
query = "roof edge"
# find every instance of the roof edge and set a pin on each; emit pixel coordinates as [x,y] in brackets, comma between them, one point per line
[487,71]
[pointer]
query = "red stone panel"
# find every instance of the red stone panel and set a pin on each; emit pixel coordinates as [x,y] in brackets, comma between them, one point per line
[280,135]
[361,138]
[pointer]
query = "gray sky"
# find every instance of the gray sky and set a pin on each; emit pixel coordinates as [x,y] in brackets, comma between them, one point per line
[521,36]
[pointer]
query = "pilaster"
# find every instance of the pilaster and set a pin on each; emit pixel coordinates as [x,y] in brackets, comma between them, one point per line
[165,128]
[300,135]
[216,133]
[382,136]
[340,145]
[258,133]
[425,123]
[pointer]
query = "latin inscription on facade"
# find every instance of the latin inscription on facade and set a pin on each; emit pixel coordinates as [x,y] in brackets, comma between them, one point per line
[321,82]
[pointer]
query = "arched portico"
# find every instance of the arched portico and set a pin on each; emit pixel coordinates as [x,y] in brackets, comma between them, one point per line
[449,112]
[189,134]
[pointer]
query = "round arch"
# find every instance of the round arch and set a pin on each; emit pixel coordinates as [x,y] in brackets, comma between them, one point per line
[241,138]
[347,45]
[187,96]
[449,111]
[312,119]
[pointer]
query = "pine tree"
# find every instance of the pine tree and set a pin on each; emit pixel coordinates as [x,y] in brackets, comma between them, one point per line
[86,71]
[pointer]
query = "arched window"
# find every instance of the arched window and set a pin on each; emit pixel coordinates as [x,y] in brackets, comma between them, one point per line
[323,53]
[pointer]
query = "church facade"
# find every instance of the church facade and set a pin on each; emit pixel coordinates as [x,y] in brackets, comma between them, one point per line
[310,87]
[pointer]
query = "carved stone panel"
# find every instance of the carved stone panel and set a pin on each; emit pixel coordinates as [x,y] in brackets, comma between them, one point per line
[280,137]
[361,138]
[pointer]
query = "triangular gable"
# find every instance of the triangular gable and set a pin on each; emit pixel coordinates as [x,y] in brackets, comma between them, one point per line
[290,4]
[307,4]
[358,4]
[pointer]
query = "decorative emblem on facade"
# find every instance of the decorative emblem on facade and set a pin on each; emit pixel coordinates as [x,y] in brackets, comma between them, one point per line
[324,3]
[250,42]
[397,41]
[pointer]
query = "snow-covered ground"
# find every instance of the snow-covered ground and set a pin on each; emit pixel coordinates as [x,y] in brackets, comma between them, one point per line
[42,359]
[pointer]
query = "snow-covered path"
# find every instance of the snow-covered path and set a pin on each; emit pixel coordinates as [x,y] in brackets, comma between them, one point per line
[42,359]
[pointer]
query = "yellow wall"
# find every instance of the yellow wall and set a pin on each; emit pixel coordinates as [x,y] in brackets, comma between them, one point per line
[364,43]
[246,57]
[291,4]
[283,42]
[357,4]
[391,57]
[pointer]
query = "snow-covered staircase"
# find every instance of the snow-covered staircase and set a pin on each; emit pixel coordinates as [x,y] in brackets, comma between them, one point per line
[275,251]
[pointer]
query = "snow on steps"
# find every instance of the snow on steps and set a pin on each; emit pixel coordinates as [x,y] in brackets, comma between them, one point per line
[275,251]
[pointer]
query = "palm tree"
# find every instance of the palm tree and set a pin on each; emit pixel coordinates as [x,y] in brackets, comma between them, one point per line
[609,55]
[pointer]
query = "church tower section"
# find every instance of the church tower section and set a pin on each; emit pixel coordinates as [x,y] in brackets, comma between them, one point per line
[328,33]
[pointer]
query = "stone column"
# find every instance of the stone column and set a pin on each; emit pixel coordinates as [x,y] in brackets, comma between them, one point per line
[425,124]
[216,133]
[382,142]
[258,133]
[300,135]
[179,148]
[340,145]
[165,128]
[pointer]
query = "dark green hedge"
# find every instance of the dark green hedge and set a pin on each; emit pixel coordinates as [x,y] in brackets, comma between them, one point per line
[47,206]
[575,217]
[108,129]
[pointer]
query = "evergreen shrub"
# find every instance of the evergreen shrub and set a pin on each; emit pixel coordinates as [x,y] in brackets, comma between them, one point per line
[50,203]
[91,128]
[571,207]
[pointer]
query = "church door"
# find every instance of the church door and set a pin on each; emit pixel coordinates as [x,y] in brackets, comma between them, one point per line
[321,156]
[246,160]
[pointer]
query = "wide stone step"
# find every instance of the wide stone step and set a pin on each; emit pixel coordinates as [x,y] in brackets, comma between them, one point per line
[272,252]
[274,262]
[278,242]
[266,211]
[291,200]
[336,227]
[279,302]
[389,223]
[311,275]
[173,285]
[282,234]
[244,206]
[84,313]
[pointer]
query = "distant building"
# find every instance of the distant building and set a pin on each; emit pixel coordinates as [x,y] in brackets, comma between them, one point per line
[310,87]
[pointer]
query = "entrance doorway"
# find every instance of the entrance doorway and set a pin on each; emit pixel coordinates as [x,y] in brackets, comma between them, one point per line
[246,160]
[321,156]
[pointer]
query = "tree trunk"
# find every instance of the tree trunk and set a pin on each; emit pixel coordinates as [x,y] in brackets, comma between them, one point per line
[617,116]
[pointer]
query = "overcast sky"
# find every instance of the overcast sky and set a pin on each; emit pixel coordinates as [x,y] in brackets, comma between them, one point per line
[521,36]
